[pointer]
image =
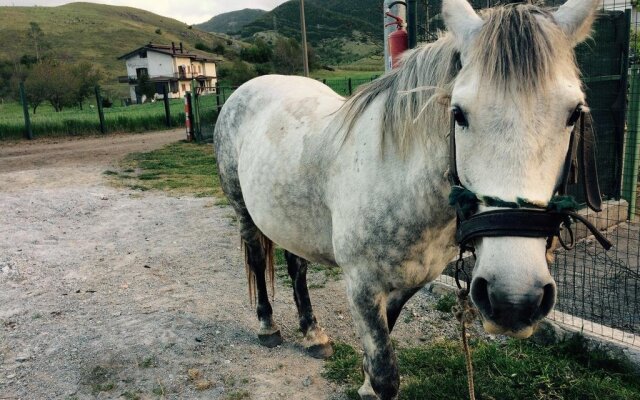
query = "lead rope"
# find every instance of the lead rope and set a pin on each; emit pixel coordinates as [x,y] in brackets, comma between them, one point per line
[465,313]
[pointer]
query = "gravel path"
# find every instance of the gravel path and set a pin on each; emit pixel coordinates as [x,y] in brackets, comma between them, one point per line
[112,293]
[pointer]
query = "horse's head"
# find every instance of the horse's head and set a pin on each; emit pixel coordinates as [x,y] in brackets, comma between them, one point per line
[515,101]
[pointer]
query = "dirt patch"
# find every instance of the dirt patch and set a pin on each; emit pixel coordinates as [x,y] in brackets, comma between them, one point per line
[114,293]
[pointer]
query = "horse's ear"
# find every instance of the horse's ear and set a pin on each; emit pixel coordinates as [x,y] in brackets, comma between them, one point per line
[461,20]
[575,18]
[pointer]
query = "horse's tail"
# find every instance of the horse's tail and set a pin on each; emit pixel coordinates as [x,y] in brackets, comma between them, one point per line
[267,247]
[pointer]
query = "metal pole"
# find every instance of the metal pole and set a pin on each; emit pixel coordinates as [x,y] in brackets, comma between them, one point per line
[167,110]
[305,54]
[412,21]
[632,147]
[25,110]
[400,11]
[100,109]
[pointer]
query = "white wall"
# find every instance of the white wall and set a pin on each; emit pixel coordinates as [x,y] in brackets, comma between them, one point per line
[160,64]
[157,64]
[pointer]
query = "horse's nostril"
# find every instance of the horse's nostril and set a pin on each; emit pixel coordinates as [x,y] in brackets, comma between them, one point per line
[480,295]
[547,301]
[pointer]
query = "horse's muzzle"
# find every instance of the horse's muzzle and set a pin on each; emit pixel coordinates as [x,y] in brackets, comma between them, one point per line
[512,315]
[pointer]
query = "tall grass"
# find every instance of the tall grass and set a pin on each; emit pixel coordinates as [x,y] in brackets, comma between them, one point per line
[135,118]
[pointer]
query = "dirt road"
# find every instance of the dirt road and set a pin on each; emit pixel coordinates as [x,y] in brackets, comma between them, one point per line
[112,293]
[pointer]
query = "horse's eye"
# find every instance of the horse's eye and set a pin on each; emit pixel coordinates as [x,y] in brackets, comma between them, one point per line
[574,116]
[459,116]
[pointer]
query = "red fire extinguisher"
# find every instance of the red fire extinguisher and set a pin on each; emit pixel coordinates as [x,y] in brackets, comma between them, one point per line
[398,40]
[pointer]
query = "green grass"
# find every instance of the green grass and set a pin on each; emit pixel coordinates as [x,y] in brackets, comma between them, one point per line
[512,370]
[179,168]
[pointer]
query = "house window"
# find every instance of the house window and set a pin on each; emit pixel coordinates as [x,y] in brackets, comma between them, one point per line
[141,71]
[174,87]
[184,87]
[143,54]
[189,69]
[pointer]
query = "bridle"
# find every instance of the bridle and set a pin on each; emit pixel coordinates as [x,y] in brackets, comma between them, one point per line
[523,218]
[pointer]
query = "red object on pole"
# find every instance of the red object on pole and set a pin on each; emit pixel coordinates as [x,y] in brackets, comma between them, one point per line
[187,116]
[398,40]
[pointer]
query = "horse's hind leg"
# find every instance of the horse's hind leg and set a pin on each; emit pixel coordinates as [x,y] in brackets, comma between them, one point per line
[258,259]
[316,342]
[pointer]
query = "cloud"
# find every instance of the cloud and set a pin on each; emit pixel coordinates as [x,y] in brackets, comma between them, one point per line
[189,11]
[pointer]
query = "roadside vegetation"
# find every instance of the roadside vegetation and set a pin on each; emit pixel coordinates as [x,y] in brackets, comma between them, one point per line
[178,168]
[515,369]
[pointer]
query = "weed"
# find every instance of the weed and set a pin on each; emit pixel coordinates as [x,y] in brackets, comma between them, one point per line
[109,172]
[131,395]
[238,395]
[148,362]
[446,303]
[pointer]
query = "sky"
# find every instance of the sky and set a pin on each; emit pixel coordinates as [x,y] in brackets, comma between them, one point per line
[188,11]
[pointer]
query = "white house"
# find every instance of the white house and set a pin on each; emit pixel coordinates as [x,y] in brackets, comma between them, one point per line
[171,67]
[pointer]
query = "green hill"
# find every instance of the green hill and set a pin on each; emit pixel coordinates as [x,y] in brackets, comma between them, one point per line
[341,31]
[96,33]
[232,21]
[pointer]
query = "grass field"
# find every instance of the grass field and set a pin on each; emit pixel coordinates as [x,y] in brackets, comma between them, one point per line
[517,369]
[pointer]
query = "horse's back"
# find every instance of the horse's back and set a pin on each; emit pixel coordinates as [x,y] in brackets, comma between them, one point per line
[273,149]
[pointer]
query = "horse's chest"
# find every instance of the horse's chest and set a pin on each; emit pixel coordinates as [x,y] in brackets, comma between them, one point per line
[425,259]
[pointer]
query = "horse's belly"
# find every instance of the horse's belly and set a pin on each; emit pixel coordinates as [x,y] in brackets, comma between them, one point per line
[284,197]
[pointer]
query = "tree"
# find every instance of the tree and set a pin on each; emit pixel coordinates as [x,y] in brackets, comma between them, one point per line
[145,86]
[36,85]
[35,33]
[258,53]
[86,78]
[238,73]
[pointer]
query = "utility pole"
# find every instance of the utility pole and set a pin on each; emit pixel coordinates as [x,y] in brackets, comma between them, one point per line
[305,54]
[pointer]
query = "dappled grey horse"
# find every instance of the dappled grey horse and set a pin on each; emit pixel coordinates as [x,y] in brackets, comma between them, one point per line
[362,182]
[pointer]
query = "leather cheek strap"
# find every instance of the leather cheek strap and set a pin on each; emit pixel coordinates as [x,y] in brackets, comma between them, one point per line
[520,223]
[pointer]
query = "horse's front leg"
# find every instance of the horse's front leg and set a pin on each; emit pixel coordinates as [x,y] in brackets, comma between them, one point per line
[368,307]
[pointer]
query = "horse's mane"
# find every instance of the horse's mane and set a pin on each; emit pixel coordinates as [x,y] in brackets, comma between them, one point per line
[518,49]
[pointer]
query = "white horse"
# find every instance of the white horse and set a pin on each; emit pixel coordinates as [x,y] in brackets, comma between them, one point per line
[362,182]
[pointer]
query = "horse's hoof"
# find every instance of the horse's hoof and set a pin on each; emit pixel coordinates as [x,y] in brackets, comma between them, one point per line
[270,339]
[321,351]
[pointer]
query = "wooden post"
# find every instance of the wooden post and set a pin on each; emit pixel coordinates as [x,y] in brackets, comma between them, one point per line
[350,86]
[25,110]
[100,110]
[218,105]
[167,110]
[305,53]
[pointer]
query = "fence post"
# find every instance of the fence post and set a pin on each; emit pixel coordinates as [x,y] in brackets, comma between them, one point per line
[632,147]
[100,109]
[25,110]
[195,110]
[167,110]
[218,106]
[350,87]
